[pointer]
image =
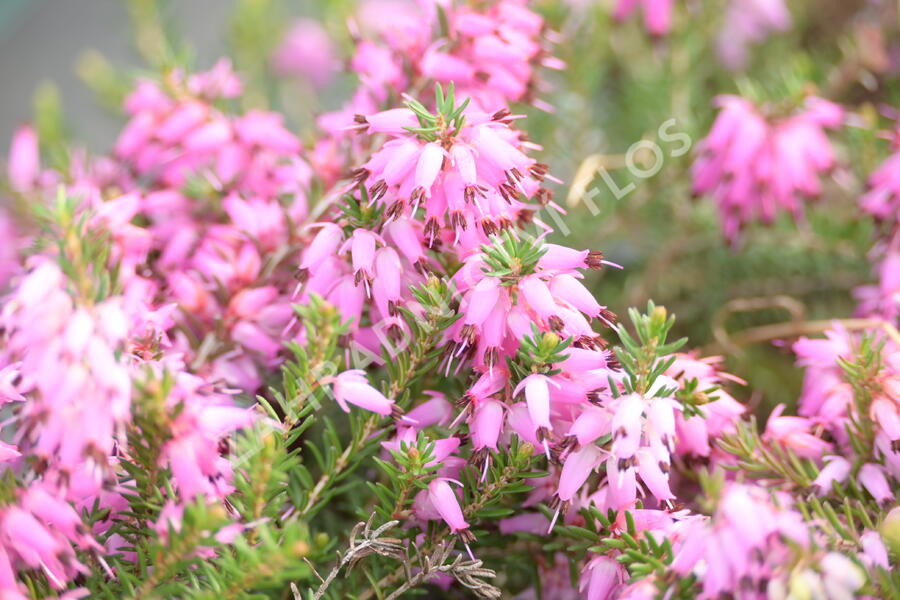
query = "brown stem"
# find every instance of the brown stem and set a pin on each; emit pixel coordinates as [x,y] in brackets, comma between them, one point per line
[793,329]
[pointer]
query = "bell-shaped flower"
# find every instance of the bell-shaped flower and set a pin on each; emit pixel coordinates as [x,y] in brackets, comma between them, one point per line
[352,387]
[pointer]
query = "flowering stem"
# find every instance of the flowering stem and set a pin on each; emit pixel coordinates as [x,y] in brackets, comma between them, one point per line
[438,547]
[418,355]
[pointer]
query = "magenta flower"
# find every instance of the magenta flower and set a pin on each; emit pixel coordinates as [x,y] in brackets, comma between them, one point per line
[755,166]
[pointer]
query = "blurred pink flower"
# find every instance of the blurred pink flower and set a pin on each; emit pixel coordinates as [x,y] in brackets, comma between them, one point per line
[749,22]
[755,166]
[307,51]
[657,13]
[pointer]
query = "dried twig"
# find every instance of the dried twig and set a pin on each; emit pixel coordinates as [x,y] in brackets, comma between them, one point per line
[789,330]
[471,574]
[371,543]
[741,305]
[468,573]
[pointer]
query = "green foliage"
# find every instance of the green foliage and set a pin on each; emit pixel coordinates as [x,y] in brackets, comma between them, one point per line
[509,258]
[82,250]
[449,119]
[256,28]
[50,125]
[361,214]
[413,466]
[644,359]
[155,34]
[538,353]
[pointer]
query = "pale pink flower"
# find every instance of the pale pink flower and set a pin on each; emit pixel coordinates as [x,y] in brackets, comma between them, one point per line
[749,538]
[749,22]
[795,434]
[23,167]
[576,469]
[872,478]
[537,398]
[836,469]
[352,387]
[874,551]
[444,500]
[307,51]
[600,577]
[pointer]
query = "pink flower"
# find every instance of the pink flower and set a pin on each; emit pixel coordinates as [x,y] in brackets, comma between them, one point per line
[461,191]
[24,165]
[324,245]
[836,469]
[872,478]
[353,387]
[874,551]
[486,424]
[388,281]
[754,165]
[883,298]
[218,82]
[446,503]
[748,538]
[362,249]
[537,398]
[793,433]
[308,51]
[749,22]
[600,576]
[193,452]
[657,13]
[576,469]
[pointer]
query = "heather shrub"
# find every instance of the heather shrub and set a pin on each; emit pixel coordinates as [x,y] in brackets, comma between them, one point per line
[462,299]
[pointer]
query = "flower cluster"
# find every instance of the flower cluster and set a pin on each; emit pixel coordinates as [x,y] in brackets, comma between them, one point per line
[749,22]
[865,429]
[755,165]
[881,201]
[747,547]
[492,54]
[71,372]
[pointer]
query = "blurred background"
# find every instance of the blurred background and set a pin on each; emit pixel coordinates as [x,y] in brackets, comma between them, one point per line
[45,41]
[68,64]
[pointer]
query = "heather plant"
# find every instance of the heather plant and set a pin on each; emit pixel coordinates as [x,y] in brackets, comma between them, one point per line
[369,351]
